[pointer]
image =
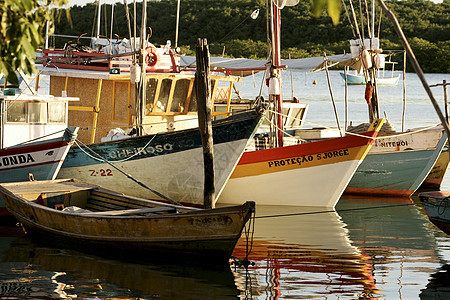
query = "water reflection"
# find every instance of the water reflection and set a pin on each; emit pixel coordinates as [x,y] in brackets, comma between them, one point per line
[304,256]
[34,271]
[374,253]
[389,253]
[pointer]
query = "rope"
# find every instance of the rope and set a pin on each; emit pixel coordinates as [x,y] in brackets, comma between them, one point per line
[360,135]
[250,232]
[105,160]
[286,133]
[131,177]
[330,211]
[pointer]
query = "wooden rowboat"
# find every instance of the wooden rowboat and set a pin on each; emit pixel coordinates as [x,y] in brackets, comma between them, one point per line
[437,207]
[72,214]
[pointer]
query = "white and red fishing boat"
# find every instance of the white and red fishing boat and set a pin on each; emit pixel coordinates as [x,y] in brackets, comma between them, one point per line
[34,138]
[307,174]
[310,174]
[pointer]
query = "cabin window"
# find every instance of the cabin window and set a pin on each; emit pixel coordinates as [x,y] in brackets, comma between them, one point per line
[180,95]
[163,97]
[56,112]
[152,84]
[37,112]
[16,112]
[193,102]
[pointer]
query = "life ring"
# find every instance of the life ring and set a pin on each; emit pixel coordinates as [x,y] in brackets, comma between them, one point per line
[151,58]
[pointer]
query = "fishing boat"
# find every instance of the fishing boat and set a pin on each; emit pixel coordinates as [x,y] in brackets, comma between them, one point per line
[74,214]
[299,171]
[170,163]
[399,161]
[142,135]
[380,79]
[398,165]
[34,139]
[437,207]
[437,173]
[293,174]
[354,79]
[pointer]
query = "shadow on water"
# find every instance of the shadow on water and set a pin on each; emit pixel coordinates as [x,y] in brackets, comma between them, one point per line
[30,270]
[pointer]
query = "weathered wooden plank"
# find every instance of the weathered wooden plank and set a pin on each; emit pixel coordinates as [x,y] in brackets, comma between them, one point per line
[126,212]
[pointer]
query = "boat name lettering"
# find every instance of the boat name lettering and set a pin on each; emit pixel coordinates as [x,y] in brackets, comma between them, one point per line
[123,153]
[16,160]
[391,144]
[225,220]
[307,158]
[332,154]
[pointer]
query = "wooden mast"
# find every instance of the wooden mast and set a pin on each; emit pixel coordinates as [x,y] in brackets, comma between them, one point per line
[142,92]
[275,76]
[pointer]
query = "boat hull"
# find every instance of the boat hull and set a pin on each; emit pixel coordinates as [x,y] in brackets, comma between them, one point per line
[397,166]
[169,163]
[42,159]
[198,234]
[436,176]
[360,80]
[437,207]
[311,174]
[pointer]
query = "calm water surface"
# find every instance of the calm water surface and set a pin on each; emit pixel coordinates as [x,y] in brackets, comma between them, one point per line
[386,253]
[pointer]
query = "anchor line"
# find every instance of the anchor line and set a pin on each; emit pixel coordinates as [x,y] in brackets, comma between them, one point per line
[249,234]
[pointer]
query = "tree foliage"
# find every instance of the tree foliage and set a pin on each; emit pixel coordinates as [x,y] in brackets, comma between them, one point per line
[227,26]
[22,24]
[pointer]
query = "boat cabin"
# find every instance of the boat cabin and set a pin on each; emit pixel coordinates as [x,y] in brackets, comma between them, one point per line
[107,100]
[27,117]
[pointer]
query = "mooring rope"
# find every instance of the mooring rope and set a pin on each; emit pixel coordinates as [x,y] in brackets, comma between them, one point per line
[77,142]
[360,135]
[131,177]
[335,211]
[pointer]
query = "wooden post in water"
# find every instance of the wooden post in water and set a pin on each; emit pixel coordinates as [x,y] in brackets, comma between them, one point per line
[204,106]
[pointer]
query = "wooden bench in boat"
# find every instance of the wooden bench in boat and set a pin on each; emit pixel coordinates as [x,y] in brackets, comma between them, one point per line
[104,203]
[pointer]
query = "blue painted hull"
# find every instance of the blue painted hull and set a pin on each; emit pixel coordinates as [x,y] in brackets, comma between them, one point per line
[395,173]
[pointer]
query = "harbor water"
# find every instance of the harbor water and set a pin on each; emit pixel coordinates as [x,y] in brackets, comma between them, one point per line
[368,248]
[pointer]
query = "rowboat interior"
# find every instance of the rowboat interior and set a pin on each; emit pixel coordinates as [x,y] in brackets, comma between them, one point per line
[81,198]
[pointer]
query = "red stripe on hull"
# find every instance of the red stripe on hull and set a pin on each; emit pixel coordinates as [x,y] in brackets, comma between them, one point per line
[432,183]
[306,149]
[378,192]
[34,148]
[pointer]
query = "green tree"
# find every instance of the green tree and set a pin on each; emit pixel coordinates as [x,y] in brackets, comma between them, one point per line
[22,24]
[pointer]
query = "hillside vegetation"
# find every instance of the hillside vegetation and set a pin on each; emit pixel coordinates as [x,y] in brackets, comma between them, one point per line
[230,31]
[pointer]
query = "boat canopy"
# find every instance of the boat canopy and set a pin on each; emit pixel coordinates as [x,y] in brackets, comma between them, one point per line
[245,66]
